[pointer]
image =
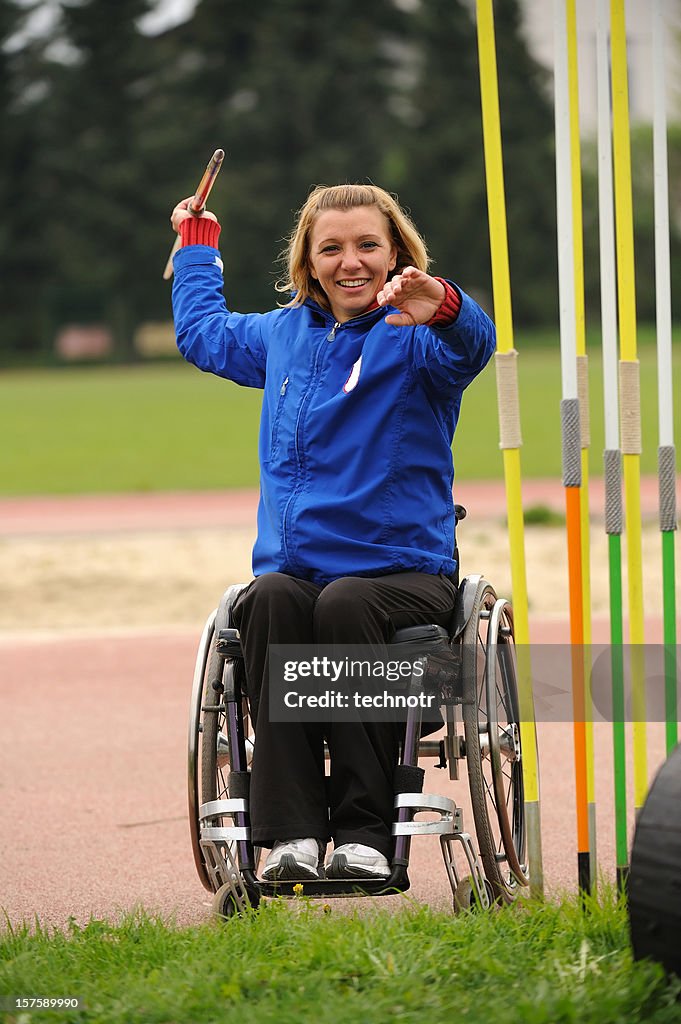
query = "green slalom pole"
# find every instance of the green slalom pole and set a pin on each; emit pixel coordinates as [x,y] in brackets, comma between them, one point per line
[669,612]
[618,733]
[614,518]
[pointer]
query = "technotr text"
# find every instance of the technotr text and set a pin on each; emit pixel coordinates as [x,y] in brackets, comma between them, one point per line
[337,699]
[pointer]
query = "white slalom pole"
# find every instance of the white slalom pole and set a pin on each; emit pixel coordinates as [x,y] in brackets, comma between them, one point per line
[566,271]
[662,271]
[606,231]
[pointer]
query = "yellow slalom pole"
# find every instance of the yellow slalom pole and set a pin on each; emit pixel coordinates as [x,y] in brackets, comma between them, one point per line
[509,423]
[583,394]
[630,411]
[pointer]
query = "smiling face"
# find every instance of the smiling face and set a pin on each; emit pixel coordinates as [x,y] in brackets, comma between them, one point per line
[351,255]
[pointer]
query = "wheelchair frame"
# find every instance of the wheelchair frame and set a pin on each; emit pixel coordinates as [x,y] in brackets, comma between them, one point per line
[473,670]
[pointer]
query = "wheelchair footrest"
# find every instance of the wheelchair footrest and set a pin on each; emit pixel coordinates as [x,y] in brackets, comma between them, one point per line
[219,809]
[474,866]
[225,834]
[450,820]
[223,869]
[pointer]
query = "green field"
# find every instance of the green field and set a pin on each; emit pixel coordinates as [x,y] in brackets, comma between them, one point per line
[530,964]
[169,427]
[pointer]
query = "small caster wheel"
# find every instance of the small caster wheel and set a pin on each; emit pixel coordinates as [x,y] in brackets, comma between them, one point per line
[466,897]
[225,904]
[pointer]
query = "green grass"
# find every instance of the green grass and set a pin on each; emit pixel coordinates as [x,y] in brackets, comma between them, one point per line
[169,427]
[535,964]
[542,515]
[108,429]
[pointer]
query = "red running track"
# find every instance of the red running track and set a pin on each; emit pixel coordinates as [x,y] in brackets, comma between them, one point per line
[95,513]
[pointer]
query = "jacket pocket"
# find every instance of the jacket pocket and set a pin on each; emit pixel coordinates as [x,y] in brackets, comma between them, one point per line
[274,440]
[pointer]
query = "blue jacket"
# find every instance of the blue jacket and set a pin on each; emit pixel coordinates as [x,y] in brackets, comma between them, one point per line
[357,422]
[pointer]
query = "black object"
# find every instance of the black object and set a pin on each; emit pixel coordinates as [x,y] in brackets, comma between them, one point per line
[408,778]
[655,873]
[228,643]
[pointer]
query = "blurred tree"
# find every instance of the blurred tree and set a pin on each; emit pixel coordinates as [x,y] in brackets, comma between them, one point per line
[105,128]
[24,262]
[105,229]
[298,95]
[644,220]
[527,124]
[445,179]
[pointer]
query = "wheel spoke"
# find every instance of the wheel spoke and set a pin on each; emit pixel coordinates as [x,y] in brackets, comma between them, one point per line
[490,793]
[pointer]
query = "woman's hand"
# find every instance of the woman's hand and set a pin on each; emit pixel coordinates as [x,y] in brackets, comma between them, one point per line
[182,211]
[417,295]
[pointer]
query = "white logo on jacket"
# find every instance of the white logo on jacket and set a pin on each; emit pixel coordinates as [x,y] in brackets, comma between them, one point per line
[352,380]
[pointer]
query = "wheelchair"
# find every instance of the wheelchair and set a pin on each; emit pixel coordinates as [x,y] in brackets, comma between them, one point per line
[471,670]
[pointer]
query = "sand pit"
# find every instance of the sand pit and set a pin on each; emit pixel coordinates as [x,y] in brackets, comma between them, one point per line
[151,578]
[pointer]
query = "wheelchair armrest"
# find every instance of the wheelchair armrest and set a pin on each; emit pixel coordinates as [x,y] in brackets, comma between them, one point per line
[443,661]
[420,635]
[429,641]
[228,643]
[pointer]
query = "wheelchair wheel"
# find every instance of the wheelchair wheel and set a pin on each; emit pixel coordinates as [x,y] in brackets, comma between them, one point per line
[466,898]
[226,904]
[209,761]
[194,766]
[492,733]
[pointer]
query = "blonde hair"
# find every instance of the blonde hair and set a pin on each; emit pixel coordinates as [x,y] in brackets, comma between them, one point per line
[411,248]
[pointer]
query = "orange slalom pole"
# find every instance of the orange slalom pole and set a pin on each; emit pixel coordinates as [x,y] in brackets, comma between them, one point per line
[571,428]
[583,395]
[574,542]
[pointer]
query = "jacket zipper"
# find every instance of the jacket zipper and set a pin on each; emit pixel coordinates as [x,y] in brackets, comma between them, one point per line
[301,408]
[331,336]
[306,397]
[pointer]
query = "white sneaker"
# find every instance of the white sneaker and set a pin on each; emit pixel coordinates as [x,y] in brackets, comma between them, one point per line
[291,859]
[353,860]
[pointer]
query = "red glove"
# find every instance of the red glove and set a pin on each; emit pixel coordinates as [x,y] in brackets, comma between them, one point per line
[200,231]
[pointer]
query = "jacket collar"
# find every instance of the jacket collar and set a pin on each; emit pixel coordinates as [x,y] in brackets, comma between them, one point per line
[328,316]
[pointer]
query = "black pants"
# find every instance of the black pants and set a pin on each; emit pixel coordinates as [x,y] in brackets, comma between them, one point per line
[289,796]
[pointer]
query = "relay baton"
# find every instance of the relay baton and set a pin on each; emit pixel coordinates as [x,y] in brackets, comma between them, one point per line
[198,202]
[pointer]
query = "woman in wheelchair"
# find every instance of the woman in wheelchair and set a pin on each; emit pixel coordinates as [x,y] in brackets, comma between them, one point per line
[363,371]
